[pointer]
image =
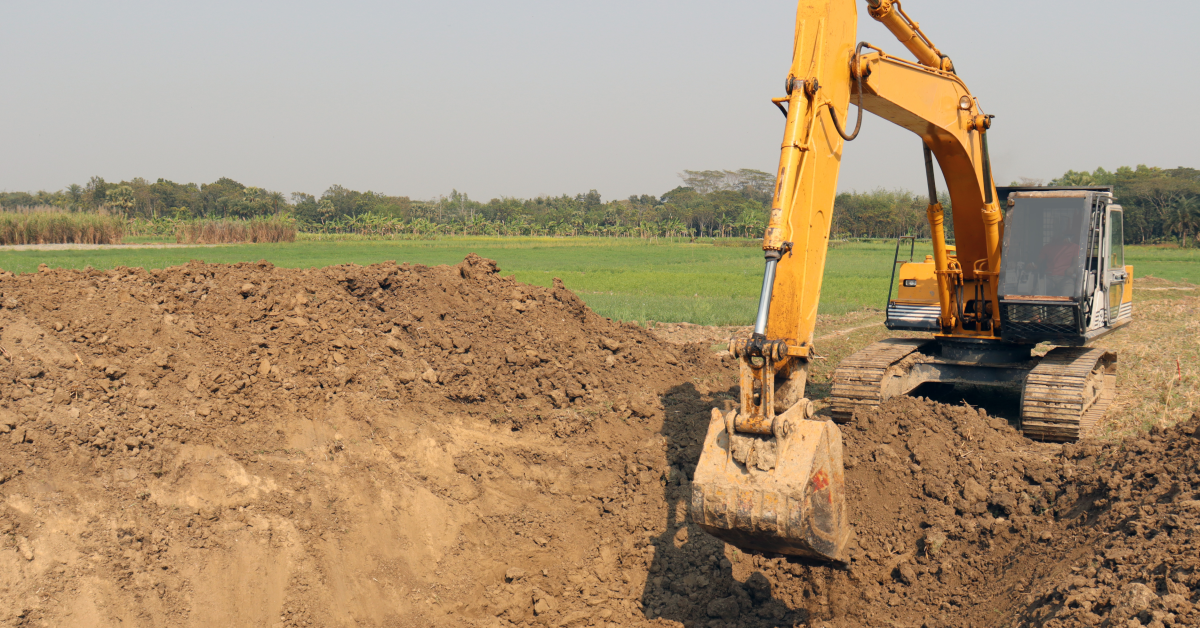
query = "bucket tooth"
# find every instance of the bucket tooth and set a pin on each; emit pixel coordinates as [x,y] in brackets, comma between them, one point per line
[782,494]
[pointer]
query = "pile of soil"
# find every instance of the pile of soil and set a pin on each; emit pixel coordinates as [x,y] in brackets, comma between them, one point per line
[463,335]
[399,445]
[1136,509]
[352,443]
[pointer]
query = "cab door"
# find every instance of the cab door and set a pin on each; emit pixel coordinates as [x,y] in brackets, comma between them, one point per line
[1115,275]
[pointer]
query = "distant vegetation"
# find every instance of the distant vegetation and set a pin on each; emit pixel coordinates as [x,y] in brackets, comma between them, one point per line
[234,230]
[1162,205]
[49,224]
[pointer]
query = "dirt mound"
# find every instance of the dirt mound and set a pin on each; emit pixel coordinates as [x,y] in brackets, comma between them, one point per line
[419,335]
[348,443]
[1136,506]
[933,491]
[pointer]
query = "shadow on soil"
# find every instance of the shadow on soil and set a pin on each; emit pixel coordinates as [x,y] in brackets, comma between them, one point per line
[1000,402]
[692,578]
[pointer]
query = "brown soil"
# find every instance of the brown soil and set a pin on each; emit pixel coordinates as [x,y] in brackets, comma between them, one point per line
[687,333]
[410,446]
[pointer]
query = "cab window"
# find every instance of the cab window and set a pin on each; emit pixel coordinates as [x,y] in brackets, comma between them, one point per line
[1116,240]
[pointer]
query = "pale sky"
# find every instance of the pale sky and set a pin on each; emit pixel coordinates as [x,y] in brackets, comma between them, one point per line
[524,98]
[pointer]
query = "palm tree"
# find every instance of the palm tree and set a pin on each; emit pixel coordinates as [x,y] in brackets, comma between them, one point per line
[277,201]
[75,194]
[1185,218]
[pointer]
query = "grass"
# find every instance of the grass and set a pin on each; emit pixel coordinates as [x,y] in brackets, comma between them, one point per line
[1173,264]
[626,279]
[1158,371]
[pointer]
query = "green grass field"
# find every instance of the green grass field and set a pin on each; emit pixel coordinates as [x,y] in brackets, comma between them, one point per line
[623,279]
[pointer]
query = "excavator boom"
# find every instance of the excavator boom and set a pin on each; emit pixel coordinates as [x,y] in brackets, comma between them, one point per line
[770,479]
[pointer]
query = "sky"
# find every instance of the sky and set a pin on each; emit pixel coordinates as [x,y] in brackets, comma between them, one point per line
[526,98]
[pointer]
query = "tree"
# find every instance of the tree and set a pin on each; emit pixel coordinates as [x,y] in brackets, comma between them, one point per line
[1075,178]
[120,198]
[16,199]
[1185,218]
[74,194]
[278,202]
[169,197]
[306,206]
[326,210]
[96,192]
[1152,198]
[704,181]
[1028,182]
[757,184]
[215,198]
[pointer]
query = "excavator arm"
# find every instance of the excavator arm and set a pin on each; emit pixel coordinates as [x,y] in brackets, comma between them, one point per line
[797,235]
[769,479]
[937,106]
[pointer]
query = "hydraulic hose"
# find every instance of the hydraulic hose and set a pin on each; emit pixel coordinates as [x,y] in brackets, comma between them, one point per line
[833,114]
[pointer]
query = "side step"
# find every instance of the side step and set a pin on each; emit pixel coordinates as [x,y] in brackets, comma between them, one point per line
[1067,393]
[858,380]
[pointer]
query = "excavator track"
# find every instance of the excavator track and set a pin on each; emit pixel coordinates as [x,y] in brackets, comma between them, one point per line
[858,380]
[1067,393]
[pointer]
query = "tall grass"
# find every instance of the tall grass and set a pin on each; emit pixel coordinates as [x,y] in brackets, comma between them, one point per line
[46,224]
[236,231]
[152,227]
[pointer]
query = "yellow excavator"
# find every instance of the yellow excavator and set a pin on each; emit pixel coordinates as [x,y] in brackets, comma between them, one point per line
[1028,266]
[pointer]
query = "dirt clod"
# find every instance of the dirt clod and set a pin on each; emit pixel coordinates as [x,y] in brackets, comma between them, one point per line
[24,548]
[513,574]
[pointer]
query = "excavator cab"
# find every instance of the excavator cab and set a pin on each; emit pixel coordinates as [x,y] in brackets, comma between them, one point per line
[1063,280]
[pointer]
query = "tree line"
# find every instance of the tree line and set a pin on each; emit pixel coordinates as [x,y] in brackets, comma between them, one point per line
[1161,205]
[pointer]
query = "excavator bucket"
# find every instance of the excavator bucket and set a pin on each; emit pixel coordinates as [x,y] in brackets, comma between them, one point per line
[783,493]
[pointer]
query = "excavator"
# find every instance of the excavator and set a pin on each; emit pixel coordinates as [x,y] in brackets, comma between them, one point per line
[1028,266]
